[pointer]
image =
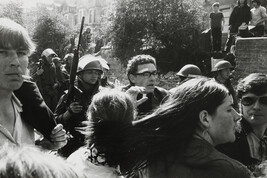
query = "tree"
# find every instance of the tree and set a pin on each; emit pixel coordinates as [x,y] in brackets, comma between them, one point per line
[50,31]
[167,29]
[12,10]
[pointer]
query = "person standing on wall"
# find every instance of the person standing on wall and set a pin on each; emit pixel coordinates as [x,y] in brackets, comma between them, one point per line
[216,24]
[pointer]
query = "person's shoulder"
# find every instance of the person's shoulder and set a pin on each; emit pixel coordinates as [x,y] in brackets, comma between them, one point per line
[262,8]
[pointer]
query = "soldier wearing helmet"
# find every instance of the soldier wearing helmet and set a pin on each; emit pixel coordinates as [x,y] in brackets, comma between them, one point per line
[222,71]
[47,80]
[222,74]
[71,116]
[187,72]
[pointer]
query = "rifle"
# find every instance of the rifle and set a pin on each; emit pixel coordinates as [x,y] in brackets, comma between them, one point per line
[73,71]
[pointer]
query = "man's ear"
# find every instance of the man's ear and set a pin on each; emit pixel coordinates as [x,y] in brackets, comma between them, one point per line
[132,78]
[204,118]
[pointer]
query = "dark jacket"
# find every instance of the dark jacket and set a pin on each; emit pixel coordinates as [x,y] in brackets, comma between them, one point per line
[238,16]
[239,150]
[200,160]
[84,97]
[35,111]
[154,100]
[47,79]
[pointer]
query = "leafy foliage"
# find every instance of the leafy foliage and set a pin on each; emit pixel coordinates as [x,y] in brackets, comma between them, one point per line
[50,32]
[167,29]
[12,10]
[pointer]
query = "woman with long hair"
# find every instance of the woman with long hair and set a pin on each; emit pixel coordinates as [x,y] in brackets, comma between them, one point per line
[178,139]
[110,115]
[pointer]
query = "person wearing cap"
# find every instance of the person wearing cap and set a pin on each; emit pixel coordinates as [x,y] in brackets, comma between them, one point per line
[258,19]
[47,78]
[222,74]
[142,74]
[187,72]
[72,115]
[250,147]
[22,108]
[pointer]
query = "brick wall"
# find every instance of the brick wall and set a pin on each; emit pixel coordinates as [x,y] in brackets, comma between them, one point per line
[251,56]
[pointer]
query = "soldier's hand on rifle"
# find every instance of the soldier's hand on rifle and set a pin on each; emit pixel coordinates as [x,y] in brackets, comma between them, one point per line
[75,107]
[39,71]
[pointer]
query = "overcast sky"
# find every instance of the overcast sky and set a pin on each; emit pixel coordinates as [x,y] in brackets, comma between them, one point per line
[28,3]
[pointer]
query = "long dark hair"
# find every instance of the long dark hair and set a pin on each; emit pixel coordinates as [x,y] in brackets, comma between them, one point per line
[170,128]
[109,116]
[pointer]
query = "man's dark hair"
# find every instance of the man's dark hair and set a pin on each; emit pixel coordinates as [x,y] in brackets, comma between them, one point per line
[139,60]
[254,83]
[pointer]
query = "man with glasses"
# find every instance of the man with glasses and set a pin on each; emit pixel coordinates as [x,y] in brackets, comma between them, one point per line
[47,78]
[142,72]
[250,145]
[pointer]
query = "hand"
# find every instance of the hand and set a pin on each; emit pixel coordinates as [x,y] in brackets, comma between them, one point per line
[58,138]
[39,71]
[134,91]
[230,27]
[75,107]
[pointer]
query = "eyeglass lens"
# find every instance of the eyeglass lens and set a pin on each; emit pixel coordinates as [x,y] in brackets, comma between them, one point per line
[247,101]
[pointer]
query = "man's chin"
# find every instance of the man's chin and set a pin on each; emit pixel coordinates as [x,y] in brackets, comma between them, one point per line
[15,86]
[150,89]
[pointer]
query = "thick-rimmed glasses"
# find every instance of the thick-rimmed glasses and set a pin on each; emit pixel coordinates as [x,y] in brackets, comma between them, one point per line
[148,74]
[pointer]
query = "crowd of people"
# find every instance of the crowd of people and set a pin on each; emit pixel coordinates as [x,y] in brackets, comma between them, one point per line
[203,127]
[243,22]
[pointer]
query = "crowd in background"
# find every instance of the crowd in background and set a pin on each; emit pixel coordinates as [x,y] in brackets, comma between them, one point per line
[203,127]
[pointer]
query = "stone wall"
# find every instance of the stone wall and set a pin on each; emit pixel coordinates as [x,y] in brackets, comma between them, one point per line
[251,56]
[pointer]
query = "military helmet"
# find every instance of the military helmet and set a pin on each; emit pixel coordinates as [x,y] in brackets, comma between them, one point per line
[89,62]
[189,70]
[222,65]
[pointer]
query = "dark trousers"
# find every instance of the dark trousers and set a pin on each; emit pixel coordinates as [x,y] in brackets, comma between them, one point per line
[230,41]
[258,31]
[216,38]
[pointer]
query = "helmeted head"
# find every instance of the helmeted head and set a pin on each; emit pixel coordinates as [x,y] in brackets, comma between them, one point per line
[222,65]
[189,70]
[48,54]
[222,70]
[89,69]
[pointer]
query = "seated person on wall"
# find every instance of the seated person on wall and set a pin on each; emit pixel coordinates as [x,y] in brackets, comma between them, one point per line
[22,108]
[240,16]
[142,72]
[72,114]
[250,145]
[259,17]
